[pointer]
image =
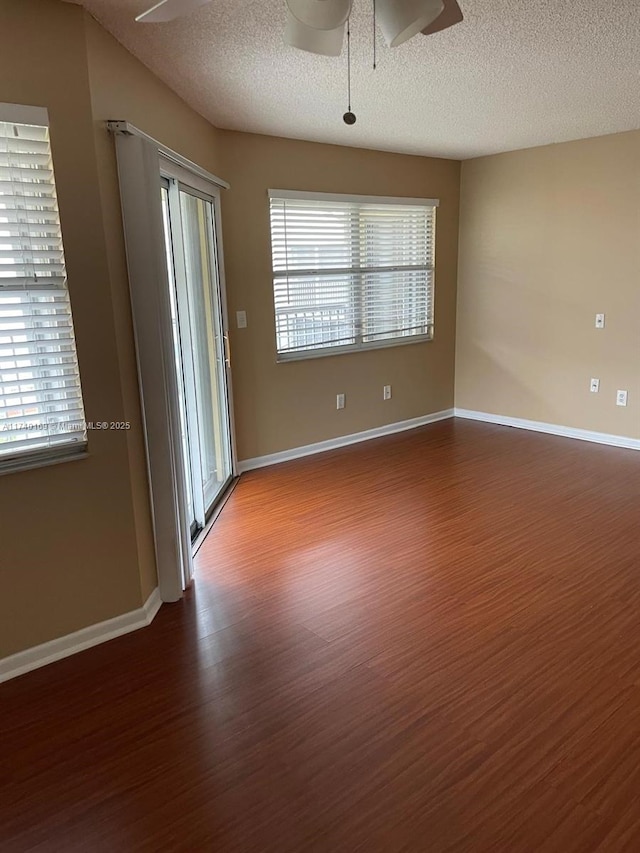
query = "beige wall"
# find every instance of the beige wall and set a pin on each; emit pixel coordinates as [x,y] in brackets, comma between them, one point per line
[76,538]
[69,550]
[280,406]
[548,238]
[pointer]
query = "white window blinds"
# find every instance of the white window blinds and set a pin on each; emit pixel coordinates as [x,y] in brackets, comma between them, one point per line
[350,272]
[41,411]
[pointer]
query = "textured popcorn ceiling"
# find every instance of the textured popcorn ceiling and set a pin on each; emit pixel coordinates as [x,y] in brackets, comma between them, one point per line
[516,73]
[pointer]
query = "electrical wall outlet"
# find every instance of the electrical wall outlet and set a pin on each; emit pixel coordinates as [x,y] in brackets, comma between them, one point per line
[595,386]
[241,319]
[340,400]
[621,398]
[599,321]
[386,392]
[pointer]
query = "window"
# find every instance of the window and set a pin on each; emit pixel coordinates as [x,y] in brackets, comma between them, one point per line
[41,411]
[350,272]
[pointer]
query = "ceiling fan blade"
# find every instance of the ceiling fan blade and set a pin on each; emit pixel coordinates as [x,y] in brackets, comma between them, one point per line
[169,10]
[450,15]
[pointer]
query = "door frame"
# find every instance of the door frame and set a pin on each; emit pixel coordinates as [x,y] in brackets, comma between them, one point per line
[139,171]
[180,178]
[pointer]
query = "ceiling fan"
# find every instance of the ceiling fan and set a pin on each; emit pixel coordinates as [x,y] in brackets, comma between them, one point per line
[318,26]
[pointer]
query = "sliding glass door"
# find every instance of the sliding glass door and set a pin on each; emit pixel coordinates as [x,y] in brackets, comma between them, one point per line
[200,345]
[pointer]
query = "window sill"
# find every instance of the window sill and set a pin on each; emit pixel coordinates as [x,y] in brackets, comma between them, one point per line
[303,355]
[43,458]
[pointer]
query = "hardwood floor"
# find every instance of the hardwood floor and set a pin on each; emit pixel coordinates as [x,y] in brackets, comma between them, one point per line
[428,642]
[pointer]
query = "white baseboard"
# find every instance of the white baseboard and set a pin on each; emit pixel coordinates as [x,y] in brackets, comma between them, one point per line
[70,644]
[401,426]
[551,429]
[341,441]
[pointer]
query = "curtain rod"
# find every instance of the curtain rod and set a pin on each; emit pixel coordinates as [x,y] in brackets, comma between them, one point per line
[125,128]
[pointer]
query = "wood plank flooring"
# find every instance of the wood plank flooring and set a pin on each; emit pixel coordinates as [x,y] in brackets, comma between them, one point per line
[428,642]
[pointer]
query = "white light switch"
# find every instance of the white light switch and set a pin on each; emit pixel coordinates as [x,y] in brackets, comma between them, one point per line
[241,319]
[340,401]
[595,386]
[599,321]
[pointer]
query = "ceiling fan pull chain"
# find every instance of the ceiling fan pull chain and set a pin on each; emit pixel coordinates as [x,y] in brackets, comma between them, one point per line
[349,62]
[374,35]
[349,117]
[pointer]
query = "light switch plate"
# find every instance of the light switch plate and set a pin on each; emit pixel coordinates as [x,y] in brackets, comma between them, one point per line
[599,321]
[621,398]
[595,386]
[241,319]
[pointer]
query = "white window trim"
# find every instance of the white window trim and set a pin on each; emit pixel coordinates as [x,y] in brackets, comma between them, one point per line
[44,458]
[327,352]
[355,199]
[24,114]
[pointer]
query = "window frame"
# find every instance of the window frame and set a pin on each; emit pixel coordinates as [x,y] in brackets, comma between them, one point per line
[26,458]
[361,346]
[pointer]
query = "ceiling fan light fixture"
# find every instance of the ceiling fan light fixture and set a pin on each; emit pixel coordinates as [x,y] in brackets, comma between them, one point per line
[323,42]
[450,16]
[320,14]
[400,20]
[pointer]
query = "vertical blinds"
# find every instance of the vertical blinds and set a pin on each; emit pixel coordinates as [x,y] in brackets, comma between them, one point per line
[40,398]
[350,272]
